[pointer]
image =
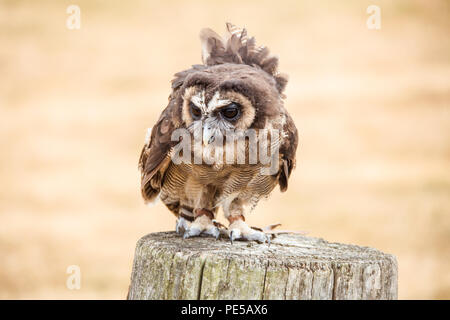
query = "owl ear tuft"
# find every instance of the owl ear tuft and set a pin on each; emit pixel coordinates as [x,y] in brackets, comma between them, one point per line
[212,46]
[240,33]
[238,48]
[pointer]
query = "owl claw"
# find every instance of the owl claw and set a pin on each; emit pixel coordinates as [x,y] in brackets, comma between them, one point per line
[240,230]
[181,225]
[201,225]
[232,236]
[253,236]
[191,232]
[215,232]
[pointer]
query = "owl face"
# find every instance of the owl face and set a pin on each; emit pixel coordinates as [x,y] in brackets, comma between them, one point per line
[225,111]
[228,98]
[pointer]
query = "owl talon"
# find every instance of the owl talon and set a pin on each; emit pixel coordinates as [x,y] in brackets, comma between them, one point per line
[240,230]
[232,237]
[191,232]
[201,225]
[181,226]
[214,231]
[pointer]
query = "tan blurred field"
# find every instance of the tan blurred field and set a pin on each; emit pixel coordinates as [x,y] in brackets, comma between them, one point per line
[372,108]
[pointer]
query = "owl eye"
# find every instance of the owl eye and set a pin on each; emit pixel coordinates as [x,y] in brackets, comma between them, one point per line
[195,111]
[231,112]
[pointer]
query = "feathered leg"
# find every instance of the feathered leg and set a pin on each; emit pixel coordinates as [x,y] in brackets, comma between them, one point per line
[203,214]
[238,228]
[185,218]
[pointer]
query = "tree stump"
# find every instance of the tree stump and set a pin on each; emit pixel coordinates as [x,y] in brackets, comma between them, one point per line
[292,267]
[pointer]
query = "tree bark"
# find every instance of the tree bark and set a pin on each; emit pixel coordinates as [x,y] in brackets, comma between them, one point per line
[292,267]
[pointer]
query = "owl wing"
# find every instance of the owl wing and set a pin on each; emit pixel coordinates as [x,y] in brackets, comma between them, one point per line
[287,152]
[155,156]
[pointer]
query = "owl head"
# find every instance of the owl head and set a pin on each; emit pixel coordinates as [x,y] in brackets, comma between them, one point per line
[237,87]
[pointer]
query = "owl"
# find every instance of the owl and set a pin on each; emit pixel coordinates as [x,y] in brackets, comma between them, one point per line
[237,92]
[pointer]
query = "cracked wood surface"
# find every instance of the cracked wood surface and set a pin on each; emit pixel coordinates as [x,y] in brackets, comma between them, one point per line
[292,267]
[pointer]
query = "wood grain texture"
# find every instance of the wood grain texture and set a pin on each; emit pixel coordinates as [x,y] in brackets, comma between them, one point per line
[292,267]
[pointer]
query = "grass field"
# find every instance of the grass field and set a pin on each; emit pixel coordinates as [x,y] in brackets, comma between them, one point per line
[372,108]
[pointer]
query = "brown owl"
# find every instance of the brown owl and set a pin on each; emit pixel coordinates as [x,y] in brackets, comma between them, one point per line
[222,117]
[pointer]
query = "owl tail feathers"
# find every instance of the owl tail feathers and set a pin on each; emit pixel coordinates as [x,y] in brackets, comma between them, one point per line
[238,48]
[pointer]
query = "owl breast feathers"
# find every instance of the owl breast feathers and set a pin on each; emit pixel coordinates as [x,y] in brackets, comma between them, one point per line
[238,92]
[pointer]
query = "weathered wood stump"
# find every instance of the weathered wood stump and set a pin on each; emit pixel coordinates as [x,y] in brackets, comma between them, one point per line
[292,267]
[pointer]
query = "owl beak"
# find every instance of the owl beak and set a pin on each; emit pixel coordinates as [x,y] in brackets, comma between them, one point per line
[208,136]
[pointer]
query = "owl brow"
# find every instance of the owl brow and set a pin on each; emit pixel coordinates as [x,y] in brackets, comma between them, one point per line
[199,100]
[217,102]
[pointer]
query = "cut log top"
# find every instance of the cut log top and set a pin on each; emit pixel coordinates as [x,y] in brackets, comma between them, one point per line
[292,267]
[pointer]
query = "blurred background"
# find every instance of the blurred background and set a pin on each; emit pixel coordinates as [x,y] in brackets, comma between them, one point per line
[372,108]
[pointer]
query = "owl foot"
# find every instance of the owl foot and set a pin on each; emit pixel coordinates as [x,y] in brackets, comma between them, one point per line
[181,225]
[238,229]
[201,225]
